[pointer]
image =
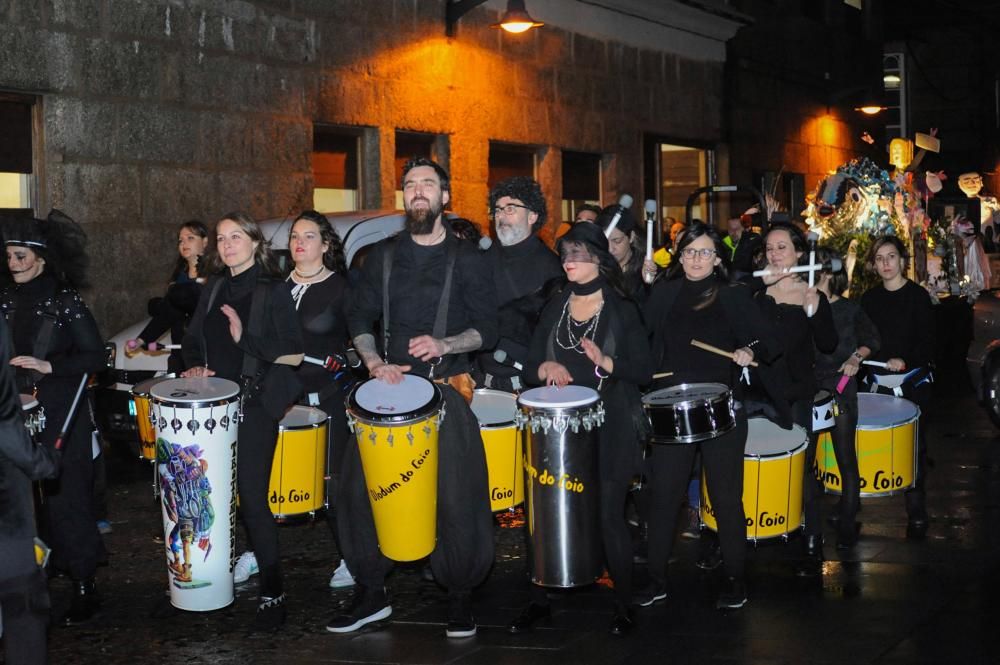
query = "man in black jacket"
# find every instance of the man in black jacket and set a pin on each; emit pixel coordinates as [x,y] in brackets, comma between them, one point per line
[522,265]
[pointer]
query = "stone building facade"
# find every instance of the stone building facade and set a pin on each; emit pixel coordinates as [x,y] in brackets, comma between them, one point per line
[151,112]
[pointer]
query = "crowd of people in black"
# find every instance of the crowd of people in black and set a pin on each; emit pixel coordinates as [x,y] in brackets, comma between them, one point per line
[433,302]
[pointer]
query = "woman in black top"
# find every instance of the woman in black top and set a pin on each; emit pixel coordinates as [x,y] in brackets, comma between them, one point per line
[591,334]
[56,344]
[802,323]
[630,257]
[696,301]
[901,310]
[245,329]
[173,311]
[835,372]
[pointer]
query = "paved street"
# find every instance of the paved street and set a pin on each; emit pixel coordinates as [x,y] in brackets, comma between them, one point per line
[890,601]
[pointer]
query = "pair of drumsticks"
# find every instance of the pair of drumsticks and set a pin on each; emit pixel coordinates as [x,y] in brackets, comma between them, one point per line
[705,347]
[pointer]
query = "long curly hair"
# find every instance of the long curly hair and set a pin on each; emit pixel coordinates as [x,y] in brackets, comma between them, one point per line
[333,257]
[263,256]
[58,240]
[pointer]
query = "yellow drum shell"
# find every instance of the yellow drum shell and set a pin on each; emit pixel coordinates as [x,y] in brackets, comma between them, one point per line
[885,443]
[144,426]
[298,474]
[503,443]
[773,466]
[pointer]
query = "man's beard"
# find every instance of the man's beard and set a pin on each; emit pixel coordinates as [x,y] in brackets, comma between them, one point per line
[509,234]
[420,221]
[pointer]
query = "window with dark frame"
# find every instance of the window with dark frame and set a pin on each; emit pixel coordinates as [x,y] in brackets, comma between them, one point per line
[16,152]
[336,165]
[581,181]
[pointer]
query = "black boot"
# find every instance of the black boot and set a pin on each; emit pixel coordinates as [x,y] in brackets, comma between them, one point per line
[812,561]
[84,605]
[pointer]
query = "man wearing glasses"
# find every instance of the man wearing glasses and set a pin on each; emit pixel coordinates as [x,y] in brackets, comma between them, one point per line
[522,264]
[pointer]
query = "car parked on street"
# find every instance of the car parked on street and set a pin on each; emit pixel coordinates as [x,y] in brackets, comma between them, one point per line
[115,408]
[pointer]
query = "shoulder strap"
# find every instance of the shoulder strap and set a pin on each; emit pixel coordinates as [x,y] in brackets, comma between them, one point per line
[390,250]
[41,347]
[211,299]
[259,307]
[441,319]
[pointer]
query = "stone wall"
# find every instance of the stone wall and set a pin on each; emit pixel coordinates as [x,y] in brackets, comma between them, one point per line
[157,111]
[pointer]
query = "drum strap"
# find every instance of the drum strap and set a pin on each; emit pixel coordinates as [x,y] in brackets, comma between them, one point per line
[390,252]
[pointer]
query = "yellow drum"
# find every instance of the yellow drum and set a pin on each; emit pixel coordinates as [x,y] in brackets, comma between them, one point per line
[397,432]
[143,420]
[886,443]
[298,475]
[773,463]
[495,411]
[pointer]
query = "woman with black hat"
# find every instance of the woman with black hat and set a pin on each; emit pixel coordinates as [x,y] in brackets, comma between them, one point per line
[57,343]
[573,343]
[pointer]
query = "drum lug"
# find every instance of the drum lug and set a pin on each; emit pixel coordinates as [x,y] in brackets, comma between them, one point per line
[389,438]
[440,416]
[520,420]
[561,423]
[711,414]
[41,419]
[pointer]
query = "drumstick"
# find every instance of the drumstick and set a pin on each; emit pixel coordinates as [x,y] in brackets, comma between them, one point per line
[292,359]
[875,363]
[717,351]
[811,268]
[153,346]
[662,375]
[72,412]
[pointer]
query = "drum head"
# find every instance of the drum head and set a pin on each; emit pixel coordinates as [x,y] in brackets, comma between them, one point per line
[300,417]
[764,438]
[28,402]
[194,391]
[494,407]
[550,397]
[684,393]
[142,388]
[380,400]
[883,411]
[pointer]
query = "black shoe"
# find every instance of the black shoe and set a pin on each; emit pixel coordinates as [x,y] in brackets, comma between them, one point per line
[711,557]
[733,595]
[916,529]
[654,592]
[271,614]
[847,535]
[811,564]
[369,606]
[623,621]
[461,623]
[529,616]
[84,605]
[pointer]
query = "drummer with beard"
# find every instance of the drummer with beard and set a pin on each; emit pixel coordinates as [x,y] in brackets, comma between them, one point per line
[417,262]
[522,267]
[696,301]
[590,334]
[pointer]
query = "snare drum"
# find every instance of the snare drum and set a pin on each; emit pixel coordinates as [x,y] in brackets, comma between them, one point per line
[690,412]
[34,415]
[196,421]
[773,465]
[824,411]
[298,474]
[561,428]
[496,411]
[397,431]
[886,444]
[143,419]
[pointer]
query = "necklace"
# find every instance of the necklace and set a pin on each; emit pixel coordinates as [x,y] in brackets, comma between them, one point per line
[321,269]
[588,328]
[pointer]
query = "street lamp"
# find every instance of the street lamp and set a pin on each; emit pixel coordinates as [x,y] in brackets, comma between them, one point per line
[516,19]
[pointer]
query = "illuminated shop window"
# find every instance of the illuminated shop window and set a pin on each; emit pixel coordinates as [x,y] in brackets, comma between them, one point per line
[336,168]
[16,150]
[581,182]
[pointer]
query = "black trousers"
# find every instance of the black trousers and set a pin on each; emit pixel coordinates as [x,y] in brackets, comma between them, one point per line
[812,487]
[843,438]
[464,552]
[670,469]
[337,439]
[257,438]
[24,603]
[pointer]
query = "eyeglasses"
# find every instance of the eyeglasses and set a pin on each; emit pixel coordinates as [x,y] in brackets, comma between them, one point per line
[508,209]
[691,252]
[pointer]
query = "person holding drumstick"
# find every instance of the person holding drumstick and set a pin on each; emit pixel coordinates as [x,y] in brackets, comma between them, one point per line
[803,323]
[429,279]
[591,334]
[858,339]
[174,310]
[245,329]
[696,302]
[57,344]
[901,310]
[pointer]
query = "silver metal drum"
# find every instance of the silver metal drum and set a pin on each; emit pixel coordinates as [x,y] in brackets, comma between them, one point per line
[690,412]
[562,484]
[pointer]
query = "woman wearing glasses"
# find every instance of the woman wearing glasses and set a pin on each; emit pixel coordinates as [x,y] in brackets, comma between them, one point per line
[696,301]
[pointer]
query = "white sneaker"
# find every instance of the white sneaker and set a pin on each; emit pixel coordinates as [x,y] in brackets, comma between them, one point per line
[246,566]
[342,577]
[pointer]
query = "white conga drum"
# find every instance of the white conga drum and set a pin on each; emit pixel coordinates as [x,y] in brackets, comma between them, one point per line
[196,422]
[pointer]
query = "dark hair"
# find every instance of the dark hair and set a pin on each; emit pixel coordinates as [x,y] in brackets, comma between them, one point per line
[881,242]
[588,207]
[57,240]
[527,191]
[465,230]
[263,256]
[798,241]
[592,238]
[626,224]
[692,232]
[333,257]
[838,278]
[414,162]
[199,229]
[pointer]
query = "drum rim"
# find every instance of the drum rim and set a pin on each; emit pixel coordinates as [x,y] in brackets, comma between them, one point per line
[235,395]
[778,455]
[298,428]
[686,405]
[501,424]
[194,405]
[375,419]
[551,407]
[137,392]
[686,439]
